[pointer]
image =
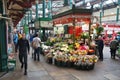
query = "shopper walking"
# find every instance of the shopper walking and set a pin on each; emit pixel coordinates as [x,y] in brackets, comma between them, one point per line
[15,39]
[113,47]
[100,46]
[23,46]
[36,45]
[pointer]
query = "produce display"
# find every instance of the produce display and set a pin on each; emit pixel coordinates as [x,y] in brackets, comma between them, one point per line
[69,54]
[11,58]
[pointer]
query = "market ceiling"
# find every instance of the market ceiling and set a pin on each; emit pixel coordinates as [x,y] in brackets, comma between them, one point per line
[17,9]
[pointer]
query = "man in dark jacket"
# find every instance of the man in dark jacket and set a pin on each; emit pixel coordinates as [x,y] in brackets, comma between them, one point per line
[113,47]
[100,45]
[23,46]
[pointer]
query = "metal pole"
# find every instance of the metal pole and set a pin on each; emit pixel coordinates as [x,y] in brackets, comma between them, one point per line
[101,11]
[49,8]
[30,14]
[70,3]
[28,18]
[74,24]
[66,3]
[36,9]
[117,16]
[21,22]
[100,16]
[25,19]
[4,7]
[44,6]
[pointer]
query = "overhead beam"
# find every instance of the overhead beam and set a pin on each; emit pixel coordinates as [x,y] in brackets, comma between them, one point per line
[24,4]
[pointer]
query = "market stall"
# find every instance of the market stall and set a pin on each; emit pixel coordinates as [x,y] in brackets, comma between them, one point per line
[74,50]
[66,54]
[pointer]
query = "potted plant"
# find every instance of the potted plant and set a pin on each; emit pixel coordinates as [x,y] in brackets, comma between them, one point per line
[99,30]
[84,35]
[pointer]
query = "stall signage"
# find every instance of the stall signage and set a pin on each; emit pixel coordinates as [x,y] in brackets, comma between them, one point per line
[69,18]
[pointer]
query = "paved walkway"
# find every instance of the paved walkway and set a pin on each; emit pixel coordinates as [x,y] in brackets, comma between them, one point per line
[108,69]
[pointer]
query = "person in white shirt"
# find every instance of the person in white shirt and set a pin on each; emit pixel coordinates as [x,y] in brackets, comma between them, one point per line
[36,45]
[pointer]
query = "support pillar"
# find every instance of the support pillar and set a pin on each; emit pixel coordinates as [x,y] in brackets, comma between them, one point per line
[44,6]
[25,20]
[101,13]
[30,15]
[66,2]
[50,9]
[3,42]
[36,9]
[100,16]
[31,20]
[70,3]
[28,18]
[118,10]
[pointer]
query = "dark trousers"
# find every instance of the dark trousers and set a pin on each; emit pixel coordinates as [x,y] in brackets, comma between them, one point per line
[15,46]
[100,50]
[37,53]
[23,59]
[113,52]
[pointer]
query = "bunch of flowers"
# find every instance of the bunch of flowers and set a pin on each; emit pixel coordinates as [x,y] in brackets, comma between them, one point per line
[87,59]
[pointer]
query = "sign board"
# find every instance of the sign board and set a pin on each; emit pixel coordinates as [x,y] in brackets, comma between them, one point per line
[43,22]
[46,23]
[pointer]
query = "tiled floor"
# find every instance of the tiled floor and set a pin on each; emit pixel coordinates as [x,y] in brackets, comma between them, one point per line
[106,70]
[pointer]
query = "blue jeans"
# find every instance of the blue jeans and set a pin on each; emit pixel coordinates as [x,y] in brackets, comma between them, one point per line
[37,54]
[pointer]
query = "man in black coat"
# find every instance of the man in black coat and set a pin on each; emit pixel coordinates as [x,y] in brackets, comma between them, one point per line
[100,46]
[23,45]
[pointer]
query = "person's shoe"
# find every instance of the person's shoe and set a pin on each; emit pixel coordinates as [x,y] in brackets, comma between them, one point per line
[25,73]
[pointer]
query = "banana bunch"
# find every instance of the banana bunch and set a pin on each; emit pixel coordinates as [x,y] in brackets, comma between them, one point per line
[82,52]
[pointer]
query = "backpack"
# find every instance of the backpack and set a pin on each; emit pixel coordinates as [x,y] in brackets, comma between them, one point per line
[35,44]
[114,44]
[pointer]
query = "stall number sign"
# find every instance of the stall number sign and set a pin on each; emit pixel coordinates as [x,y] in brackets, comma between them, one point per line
[46,23]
